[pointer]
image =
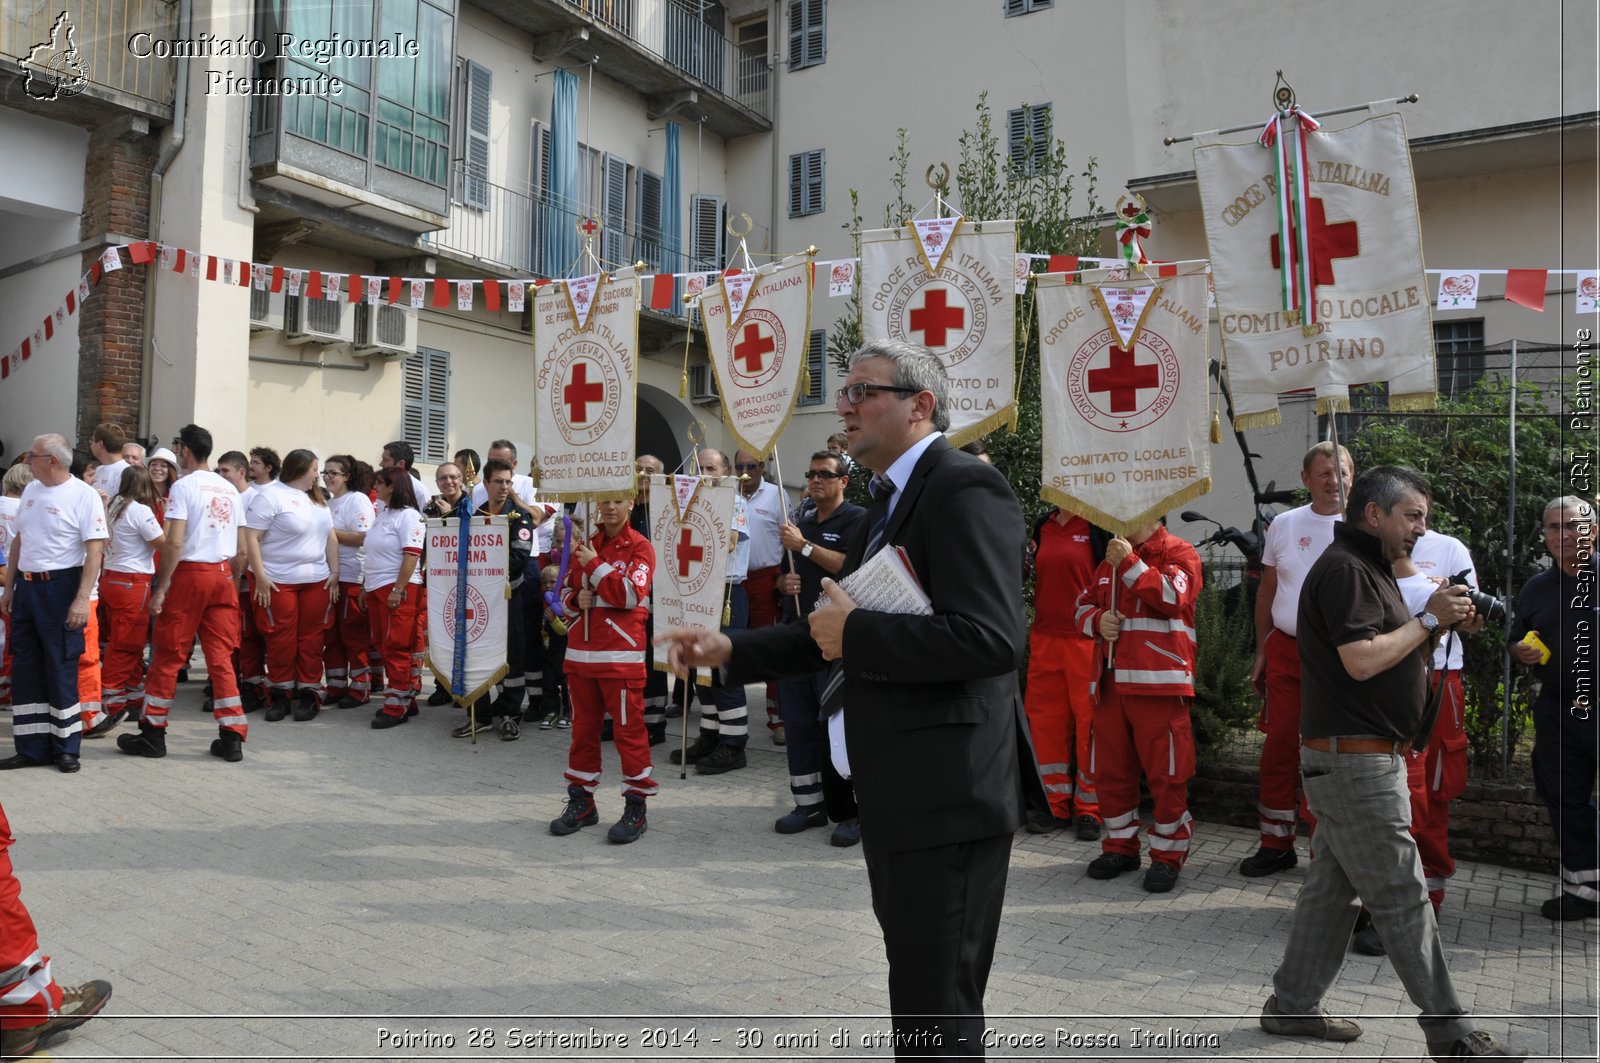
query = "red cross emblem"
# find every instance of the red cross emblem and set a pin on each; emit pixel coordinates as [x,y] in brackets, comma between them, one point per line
[752,349]
[934,318]
[688,552]
[589,226]
[1124,378]
[579,392]
[1328,242]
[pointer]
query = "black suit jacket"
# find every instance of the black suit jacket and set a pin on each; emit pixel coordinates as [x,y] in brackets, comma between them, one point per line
[937,738]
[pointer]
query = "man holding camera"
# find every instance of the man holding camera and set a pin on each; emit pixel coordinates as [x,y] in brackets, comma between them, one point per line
[1363,704]
[1560,610]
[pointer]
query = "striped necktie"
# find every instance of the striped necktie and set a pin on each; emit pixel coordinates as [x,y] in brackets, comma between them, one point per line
[882,490]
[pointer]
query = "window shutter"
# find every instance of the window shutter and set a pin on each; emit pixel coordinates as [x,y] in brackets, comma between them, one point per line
[1016,133]
[475,193]
[614,210]
[815,351]
[539,185]
[797,34]
[436,439]
[705,225]
[649,223]
[816,32]
[797,177]
[1040,132]
[814,182]
[413,406]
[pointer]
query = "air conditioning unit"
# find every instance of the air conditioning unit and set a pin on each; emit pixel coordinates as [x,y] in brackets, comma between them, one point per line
[266,310]
[317,320]
[702,384]
[384,330]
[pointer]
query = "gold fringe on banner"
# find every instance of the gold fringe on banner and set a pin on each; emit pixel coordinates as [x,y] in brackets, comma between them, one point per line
[1116,526]
[1327,404]
[467,699]
[1265,419]
[1416,400]
[701,679]
[984,427]
[1216,428]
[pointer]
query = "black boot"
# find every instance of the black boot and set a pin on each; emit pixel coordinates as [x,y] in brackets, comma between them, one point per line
[279,707]
[149,742]
[229,746]
[305,706]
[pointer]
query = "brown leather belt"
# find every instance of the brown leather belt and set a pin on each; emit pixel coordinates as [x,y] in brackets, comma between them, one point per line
[1398,746]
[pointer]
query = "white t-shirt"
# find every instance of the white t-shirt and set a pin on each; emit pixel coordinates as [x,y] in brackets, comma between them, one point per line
[1442,556]
[294,533]
[767,511]
[56,522]
[108,478]
[135,529]
[8,520]
[522,487]
[212,513]
[1294,542]
[423,487]
[352,512]
[394,533]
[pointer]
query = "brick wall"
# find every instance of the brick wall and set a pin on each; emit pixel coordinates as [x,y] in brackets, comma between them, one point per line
[116,199]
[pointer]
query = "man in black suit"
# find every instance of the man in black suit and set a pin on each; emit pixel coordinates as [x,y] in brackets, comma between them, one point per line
[935,735]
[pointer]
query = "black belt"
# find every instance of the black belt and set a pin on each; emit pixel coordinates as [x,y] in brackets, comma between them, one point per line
[46,577]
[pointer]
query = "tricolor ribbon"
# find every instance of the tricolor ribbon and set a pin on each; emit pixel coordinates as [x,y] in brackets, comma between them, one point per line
[1294,236]
[1130,230]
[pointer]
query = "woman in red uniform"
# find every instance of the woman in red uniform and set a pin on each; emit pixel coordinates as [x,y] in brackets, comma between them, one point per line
[605,663]
[125,591]
[348,645]
[393,580]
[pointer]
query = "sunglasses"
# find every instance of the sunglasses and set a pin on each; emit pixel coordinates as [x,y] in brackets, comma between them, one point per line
[812,474]
[739,467]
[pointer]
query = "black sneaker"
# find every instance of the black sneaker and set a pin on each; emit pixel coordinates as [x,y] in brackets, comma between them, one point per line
[631,825]
[382,721]
[1110,865]
[1267,862]
[1045,822]
[580,812]
[1088,829]
[305,706]
[280,706]
[440,696]
[1160,878]
[800,819]
[719,760]
[468,727]
[702,747]
[548,721]
[510,728]
[350,701]
[1475,1045]
[106,723]
[229,746]
[846,833]
[1567,907]
[149,742]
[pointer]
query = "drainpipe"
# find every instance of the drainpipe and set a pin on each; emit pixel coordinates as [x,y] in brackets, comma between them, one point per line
[180,113]
[776,9]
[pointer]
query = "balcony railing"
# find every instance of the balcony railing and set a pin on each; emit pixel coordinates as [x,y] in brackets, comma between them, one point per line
[101,34]
[677,33]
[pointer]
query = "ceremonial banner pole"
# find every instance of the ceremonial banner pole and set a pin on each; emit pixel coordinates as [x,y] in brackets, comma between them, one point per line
[467,577]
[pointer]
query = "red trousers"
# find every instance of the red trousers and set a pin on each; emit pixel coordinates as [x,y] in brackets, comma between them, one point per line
[1436,775]
[1134,733]
[203,600]
[90,697]
[252,653]
[125,597]
[294,621]
[347,646]
[28,995]
[1060,715]
[394,642]
[592,698]
[1280,753]
[761,588]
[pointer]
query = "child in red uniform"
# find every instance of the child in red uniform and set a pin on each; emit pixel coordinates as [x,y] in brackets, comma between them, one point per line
[605,669]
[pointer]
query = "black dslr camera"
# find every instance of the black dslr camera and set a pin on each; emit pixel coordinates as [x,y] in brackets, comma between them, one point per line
[1487,605]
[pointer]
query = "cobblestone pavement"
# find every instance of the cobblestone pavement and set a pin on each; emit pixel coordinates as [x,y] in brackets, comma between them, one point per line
[348,893]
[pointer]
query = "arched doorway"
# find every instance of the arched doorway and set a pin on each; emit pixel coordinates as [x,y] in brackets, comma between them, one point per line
[664,423]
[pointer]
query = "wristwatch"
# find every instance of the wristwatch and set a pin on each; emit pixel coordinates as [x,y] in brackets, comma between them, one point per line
[805,551]
[1429,622]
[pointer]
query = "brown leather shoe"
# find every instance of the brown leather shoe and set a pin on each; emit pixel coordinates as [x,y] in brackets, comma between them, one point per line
[79,1004]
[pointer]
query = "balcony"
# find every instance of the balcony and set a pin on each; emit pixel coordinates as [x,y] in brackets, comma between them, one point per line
[115,79]
[685,67]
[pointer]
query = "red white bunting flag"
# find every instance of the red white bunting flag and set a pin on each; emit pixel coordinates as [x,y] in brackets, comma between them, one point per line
[759,356]
[691,528]
[1373,320]
[1587,292]
[586,383]
[841,279]
[293,276]
[1126,421]
[331,286]
[110,260]
[514,296]
[1458,290]
[374,290]
[418,291]
[964,312]
[463,295]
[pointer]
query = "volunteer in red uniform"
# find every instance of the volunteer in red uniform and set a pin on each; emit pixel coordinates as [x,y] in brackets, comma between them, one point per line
[1294,542]
[125,593]
[346,657]
[393,579]
[195,592]
[288,537]
[1061,669]
[1141,607]
[610,579]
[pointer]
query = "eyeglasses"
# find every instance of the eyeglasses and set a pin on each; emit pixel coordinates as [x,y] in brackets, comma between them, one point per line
[38,457]
[812,474]
[331,472]
[856,394]
[740,467]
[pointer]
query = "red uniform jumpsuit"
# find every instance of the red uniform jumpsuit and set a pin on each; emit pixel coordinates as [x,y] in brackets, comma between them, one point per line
[28,994]
[1061,668]
[1141,717]
[605,660]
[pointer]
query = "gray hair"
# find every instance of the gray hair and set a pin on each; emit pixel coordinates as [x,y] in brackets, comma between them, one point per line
[17,477]
[57,447]
[1384,485]
[915,367]
[1582,505]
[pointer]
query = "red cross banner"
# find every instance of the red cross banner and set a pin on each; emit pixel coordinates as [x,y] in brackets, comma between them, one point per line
[760,354]
[1126,422]
[1367,316]
[586,378]
[691,528]
[472,613]
[964,311]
